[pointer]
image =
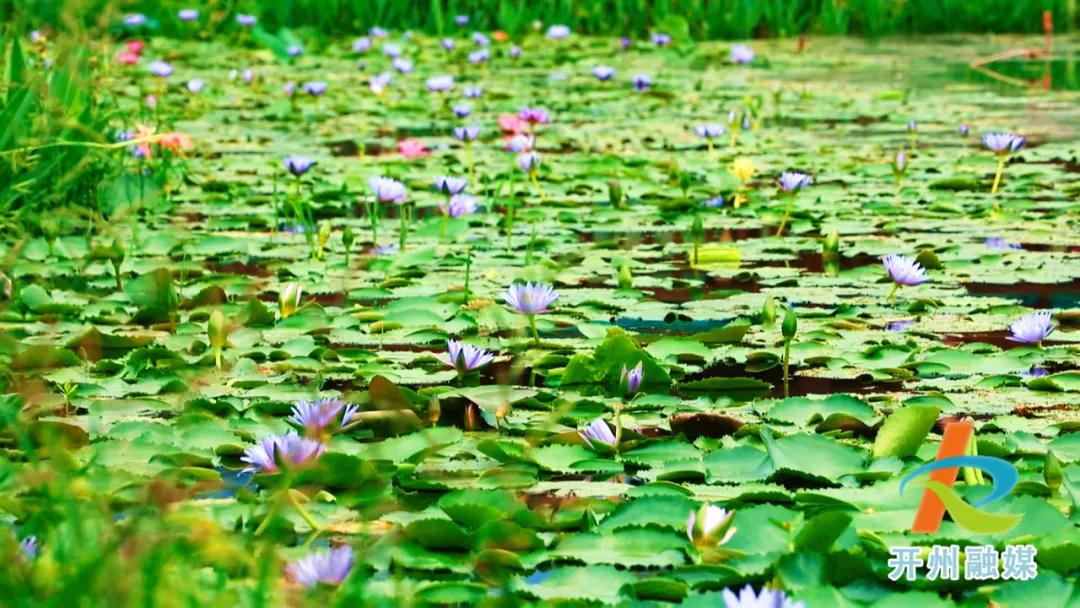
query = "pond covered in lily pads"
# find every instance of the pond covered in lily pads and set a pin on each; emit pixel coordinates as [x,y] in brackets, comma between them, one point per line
[668,250]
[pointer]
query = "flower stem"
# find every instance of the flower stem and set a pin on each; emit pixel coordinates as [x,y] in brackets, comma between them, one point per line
[997,176]
[468,272]
[302,511]
[536,184]
[469,161]
[787,363]
[532,326]
[403,234]
[892,292]
[269,514]
[787,214]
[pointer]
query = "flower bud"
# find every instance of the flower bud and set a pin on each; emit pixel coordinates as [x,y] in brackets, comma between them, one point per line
[615,193]
[289,299]
[626,280]
[768,312]
[789,325]
[710,526]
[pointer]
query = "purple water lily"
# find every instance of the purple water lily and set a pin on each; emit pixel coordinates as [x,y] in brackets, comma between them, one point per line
[625,42]
[135,20]
[912,126]
[447,44]
[361,45]
[196,85]
[29,547]
[248,76]
[391,50]
[515,52]
[661,39]
[275,451]
[597,434]
[323,414]
[793,181]
[1004,143]
[380,81]
[388,190]
[289,88]
[480,39]
[901,325]
[465,357]
[187,14]
[521,143]
[479,56]
[716,201]
[294,50]
[535,116]
[297,165]
[440,84]
[558,32]
[641,82]
[330,567]
[472,92]
[997,242]
[900,163]
[631,378]
[603,72]
[1032,328]
[402,65]
[450,185]
[246,20]
[378,32]
[768,598]
[461,20]
[458,205]
[530,298]
[315,88]
[466,133]
[161,69]
[461,110]
[964,130]
[528,161]
[741,54]
[904,270]
[709,130]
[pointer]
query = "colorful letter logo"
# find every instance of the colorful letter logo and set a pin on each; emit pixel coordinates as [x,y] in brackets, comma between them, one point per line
[940,497]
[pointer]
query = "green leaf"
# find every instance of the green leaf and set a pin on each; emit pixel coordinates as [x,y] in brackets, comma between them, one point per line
[905,430]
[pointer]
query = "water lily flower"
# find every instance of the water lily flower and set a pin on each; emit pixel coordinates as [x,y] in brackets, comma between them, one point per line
[127,58]
[175,141]
[964,130]
[276,451]
[530,298]
[440,84]
[631,378]
[1003,144]
[511,124]
[716,201]
[447,44]
[625,42]
[388,190]
[323,414]
[464,357]
[361,44]
[709,130]
[793,181]
[289,88]
[472,92]
[294,50]
[196,85]
[450,185]
[521,143]
[768,598]
[904,271]
[402,65]
[741,54]
[710,526]
[528,161]
[411,148]
[297,165]
[289,299]
[603,72]
[743,169]
[1032,328]
[388,249]
[641,82]
[461,110]
[379,82]
[901,325]
[997,242]
[912,126]
[466,133]
[378,32]
[161,69]
[597,434]
[134,20]
[391,50]
[314,88]
[329,567]
[558,32]
[246,20]
[480,39]
[248,76]
[515,52]
[29,547]
[458,205]
[660,39]
[479,56]
[461,20]
[534,116]
[187,14]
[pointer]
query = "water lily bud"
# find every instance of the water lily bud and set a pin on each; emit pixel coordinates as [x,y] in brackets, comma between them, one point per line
[1052,471]
[710,526]
[626,280]
[348,237]
[768,312]
[216,330]
[615,193]
[434,410]
[697,229]
[324,234]
[830,247]
[789,325]
[684,181]
[289,299]
[630,379]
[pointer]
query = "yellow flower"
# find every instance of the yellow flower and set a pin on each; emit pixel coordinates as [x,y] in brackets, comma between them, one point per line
[743,169]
